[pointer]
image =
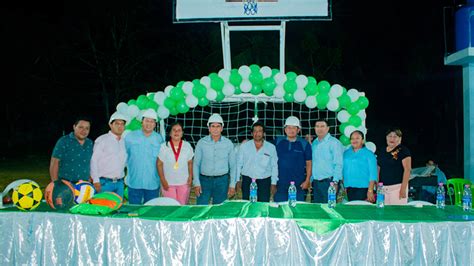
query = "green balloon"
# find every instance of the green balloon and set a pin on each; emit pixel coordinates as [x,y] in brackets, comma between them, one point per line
[169,103]
[151,96]
[268,84]
[132,102]
[255,77]
[177,94]
[288,97]
[203,101]
[199,91]
[256,89]
[151,105]
[324,86]
[290,86]
[180,84]
[344,100]
[141,101]
[353,108]
[363,102]
[291,75]
[134,124]
[344,140]
[173,111]
[311,80]
[182,107]
[275,71]
[213,75]
[355,120]
[217,83]
[220,96]
[235,78]
[237,91]
[311,89]
[254,68]
[268,92]
[322,99]
[196,82]
[342,127]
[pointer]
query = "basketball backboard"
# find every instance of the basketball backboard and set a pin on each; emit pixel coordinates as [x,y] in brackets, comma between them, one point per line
[248,10]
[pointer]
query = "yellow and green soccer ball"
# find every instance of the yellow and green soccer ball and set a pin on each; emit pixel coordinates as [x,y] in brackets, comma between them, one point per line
[27,196]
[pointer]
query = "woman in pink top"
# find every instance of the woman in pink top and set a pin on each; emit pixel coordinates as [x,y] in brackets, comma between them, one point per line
[175,165]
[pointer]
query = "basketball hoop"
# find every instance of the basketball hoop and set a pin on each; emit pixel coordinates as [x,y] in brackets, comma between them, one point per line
[250,7]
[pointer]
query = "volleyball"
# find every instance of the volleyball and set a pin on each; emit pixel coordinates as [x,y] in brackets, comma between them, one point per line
[27,196]
[83,191]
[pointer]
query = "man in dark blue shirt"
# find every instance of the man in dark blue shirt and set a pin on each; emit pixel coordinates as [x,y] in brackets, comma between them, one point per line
[294,161]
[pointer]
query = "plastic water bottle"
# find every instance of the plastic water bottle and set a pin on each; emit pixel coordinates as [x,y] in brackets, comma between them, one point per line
[331,195]
[292,194]
[380,196]
[253,190]
[467,198]
[440,197]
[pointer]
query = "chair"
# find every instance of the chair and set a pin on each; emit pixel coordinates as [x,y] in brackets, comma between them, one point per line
[162,201]
[420,203]
[358,202]
[456,186]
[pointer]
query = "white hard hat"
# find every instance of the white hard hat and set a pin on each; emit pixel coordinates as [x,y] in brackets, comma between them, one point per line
[215,118]
[118,116]
[150,113]
[292,121]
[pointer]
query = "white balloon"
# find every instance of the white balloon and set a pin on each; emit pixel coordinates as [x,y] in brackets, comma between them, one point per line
[299,95]
[279,92]
[206,81]
[163,112]
[301,81]
[362,129]
[139,116]
[191,101]
[280,78]
[228,89]
[335,91]
[266,72]
[371,146]
[133,111]
[122,108]
[348,130]
[211,94]
[362,114]
[311,102]
[333,104]
[244,71]
[160,97]
[188,87]
[343,116]
[224,74]
[353,94]
[167,90]
[245,86]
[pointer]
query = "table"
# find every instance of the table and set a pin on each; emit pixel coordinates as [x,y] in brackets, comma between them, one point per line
[241,233]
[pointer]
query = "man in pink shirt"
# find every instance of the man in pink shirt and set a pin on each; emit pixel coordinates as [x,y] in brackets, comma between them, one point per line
[109,157]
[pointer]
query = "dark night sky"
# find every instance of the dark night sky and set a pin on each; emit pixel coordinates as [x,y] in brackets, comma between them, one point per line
[393,53]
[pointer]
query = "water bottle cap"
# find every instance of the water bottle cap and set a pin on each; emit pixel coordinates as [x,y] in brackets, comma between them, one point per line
[440,184]
[292,182]
[254,179]
[380,183]
[332,183]
[466,185]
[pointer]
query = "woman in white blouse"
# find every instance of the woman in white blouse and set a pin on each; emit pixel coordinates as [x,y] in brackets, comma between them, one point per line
[175,165]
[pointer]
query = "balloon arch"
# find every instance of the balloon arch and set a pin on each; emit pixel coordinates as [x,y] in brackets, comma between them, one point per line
[349,105]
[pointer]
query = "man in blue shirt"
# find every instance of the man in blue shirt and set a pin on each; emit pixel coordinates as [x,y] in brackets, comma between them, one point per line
[258,159]
[327,161]
[72,154]
[294,161]
[142,147]
[213,165]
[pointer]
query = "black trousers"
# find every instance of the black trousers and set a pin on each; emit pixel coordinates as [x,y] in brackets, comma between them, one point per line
[355,193]
[263,188]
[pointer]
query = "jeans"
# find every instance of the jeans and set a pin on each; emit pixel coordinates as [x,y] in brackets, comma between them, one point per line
[213,187]
[355,193]
[140,196]
[108,185]
[263,188]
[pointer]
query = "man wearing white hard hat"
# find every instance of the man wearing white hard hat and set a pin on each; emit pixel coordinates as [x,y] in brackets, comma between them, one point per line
[294,161]
[109,157]
[142,147]
[214,165]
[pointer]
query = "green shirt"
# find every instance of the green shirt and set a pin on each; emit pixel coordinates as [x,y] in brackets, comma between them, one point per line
[74,158]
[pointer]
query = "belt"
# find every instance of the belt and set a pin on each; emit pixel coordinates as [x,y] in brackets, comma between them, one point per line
[324,180]
[213,176]
[112,179]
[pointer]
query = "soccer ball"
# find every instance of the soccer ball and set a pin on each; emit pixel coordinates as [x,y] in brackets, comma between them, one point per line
[83,191]
[27,196]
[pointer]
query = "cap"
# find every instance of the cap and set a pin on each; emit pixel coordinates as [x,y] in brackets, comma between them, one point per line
[292,121]
[215,118]
[150,113]
[118,116]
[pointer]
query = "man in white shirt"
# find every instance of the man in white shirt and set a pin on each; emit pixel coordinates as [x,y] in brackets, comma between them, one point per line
[109,157]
